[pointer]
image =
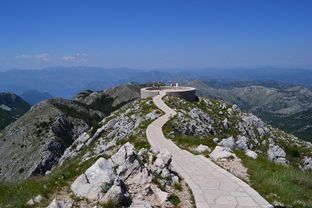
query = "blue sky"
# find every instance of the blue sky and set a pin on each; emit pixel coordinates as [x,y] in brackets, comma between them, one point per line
[151,34]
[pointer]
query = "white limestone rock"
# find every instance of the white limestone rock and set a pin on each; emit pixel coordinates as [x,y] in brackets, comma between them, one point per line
[202,148]
[241,142]
[35,200]
[251,154]
[118,192]
[151,116]
[277,154]
[125,153]
[222,153]
[229,142]
[226,123]
[5,107]
[216,140]
[163,159]
[89,185]
[161,195]
[307,163]
[57,204]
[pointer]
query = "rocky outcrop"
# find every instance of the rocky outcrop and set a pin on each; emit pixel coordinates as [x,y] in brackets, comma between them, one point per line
[224,125]
[277,154]
[127,177]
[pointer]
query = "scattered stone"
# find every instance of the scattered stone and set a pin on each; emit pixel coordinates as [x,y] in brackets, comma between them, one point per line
[35,200]
[56,204]
[215,140]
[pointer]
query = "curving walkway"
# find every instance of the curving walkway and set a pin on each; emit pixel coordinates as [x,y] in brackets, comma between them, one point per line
[211,185]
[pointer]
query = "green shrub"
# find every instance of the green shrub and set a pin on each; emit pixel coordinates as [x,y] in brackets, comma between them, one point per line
[174,199]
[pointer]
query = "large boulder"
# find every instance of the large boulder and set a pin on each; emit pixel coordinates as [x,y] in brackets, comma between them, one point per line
[222,153]
[229,142]
[277,154]
[90,184]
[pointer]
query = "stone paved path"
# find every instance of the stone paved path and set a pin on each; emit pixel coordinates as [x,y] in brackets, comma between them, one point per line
[212,186]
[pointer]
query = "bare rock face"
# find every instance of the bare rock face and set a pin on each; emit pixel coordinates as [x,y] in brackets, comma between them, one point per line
[277,154]
[42,135]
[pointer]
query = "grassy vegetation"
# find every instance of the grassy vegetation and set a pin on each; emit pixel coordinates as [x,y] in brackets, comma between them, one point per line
[288,185]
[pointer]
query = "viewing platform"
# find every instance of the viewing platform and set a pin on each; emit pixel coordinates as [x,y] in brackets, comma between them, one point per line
[188,93]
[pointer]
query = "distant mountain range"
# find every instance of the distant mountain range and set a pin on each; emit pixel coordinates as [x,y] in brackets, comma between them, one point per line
[35,96]
[284,106]
[67,81]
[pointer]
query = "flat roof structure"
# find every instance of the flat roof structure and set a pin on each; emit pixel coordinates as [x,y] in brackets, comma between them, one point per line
[188,93]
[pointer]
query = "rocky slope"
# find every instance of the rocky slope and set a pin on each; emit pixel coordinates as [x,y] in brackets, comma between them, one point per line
[11,108]
[216,123]
[44,132]
[272,102]
[124,170]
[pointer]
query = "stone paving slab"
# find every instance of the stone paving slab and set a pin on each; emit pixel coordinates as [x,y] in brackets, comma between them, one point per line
[211,185]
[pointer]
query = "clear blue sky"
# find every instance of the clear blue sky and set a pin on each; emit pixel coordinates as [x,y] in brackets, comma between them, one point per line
[155,33]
